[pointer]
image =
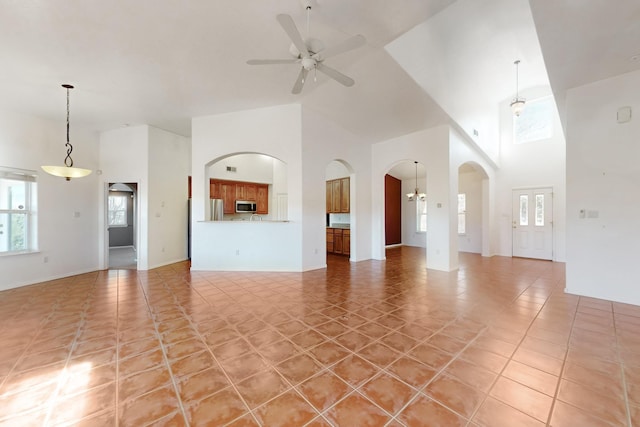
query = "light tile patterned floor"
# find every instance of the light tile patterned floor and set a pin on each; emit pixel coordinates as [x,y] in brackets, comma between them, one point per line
[375,343]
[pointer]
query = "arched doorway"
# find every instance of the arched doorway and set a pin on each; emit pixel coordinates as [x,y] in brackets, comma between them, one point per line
[472,209]
[340,210]
[404,209]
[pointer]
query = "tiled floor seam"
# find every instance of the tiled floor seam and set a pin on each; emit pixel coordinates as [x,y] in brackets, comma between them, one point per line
[64,369]
[622,370]
[564,363]
[164,354]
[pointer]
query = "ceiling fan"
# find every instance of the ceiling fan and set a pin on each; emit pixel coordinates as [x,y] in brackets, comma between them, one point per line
[310,53]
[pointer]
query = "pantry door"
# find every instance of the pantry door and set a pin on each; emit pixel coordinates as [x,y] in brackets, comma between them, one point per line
[532,223]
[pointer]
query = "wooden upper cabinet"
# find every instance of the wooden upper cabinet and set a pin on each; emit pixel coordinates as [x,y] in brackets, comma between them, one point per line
[262,199]
[251,192]
[338,195]
[230,191]
[228,196]
[335,202]
[214,189]
[344,195]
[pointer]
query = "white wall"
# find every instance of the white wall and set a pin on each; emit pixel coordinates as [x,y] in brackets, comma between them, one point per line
[274,131]
[461,152]
[159,161]
[530,165]
[169,169]
[603,172]
[66,241]
[249,168]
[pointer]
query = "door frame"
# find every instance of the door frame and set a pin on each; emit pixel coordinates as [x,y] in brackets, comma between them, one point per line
[136,221]
[551,221]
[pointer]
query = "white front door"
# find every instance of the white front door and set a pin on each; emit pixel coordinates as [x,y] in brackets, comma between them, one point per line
[533,223]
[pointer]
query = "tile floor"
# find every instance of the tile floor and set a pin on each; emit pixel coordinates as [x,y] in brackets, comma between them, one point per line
[375,343]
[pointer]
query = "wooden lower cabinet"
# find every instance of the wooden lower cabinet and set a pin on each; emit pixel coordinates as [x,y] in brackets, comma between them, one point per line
[330,240]
[346,242]
[338,241]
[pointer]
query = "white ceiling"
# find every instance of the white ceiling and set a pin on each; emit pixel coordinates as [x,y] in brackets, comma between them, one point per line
[162,63]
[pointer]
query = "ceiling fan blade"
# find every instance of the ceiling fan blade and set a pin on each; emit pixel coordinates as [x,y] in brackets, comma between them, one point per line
[302,77]
[271,61]
[290,28]
[335,75]
[349,44]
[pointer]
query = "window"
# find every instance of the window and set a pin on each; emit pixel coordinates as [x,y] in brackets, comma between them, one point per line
[117,211]
[462,213]
[535,123]
[421,215]
[17,211]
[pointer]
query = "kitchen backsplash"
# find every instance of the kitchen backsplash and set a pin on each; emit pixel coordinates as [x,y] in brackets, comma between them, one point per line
[341,218]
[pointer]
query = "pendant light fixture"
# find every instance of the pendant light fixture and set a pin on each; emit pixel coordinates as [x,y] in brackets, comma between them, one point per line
[67,171]
[517,105]
[416,195]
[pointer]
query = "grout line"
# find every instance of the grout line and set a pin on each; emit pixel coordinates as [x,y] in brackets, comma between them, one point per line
[163,349]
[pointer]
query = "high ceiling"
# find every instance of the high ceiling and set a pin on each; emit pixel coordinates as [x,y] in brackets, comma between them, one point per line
[425,62]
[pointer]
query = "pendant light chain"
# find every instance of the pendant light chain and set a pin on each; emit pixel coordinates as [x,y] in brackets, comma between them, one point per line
[68,161]
[517,80]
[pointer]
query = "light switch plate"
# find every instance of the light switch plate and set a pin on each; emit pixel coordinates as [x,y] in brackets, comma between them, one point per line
[624,114]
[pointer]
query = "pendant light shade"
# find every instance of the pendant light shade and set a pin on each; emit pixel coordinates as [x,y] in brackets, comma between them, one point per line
[416,195]
[67,171]
[517,105]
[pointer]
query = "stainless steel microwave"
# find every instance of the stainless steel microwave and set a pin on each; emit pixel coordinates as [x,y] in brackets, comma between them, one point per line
[243,206]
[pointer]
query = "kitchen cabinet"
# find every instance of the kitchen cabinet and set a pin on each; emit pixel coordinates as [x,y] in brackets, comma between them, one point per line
[228,196]
[344,195]
[330,240]
[262,199]
[346,242]
[230,191]
[338,241]
[338,195]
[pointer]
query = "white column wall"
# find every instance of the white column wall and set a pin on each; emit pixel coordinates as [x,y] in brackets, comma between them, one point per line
[464,152]
[429,147]
[124,157]
[275,131]
[603,172]
[169,168]
[323,142]
[67,242]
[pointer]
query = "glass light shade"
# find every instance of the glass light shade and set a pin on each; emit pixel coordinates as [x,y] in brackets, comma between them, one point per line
[66,171]
[517,106]
[416,195]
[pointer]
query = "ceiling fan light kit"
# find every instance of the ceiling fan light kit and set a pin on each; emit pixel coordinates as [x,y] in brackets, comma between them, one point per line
[310,53]
[67,171]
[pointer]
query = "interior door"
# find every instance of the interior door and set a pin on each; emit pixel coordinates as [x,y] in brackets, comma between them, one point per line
[392,210]
[532,223]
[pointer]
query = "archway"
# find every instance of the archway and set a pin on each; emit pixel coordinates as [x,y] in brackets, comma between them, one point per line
[340,212]
[404,206]
[472,212]
[254,169]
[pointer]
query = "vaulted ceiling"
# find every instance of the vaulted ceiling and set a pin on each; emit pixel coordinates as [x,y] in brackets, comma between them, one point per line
[426,62]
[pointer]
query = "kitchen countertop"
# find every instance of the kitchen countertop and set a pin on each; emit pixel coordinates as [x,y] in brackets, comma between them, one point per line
[341,226]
